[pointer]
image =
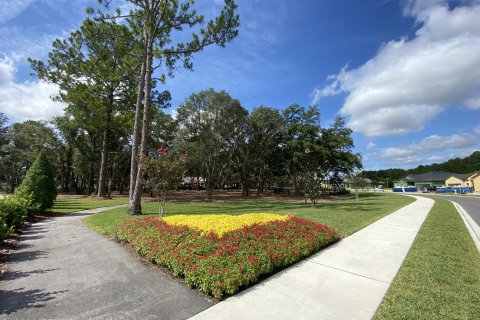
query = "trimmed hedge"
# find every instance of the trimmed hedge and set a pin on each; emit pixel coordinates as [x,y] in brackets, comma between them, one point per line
[221,266]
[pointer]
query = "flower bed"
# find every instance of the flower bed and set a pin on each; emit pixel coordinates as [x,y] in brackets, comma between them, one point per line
[221,223]
[222,265]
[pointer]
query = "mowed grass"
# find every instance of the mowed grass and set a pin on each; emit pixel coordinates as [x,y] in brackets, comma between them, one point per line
[347,216]
[440,277]
[67,205]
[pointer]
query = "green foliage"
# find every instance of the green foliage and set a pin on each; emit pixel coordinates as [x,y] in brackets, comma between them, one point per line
[96,80]
[313,187]
[163,171]
[39,183]
[5,231]
[13,211]
[211,124]
[22,144]
[457,165]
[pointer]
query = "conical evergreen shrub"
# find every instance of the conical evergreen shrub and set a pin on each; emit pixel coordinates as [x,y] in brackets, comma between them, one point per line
[39,184]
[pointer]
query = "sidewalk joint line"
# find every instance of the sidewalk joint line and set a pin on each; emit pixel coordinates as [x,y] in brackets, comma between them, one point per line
[355,274]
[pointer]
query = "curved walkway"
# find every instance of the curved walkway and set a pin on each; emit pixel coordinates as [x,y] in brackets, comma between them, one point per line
[63,270]
[346,281]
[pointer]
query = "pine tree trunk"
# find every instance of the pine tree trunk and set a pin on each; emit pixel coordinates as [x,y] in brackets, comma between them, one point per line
[69,169]
[101,190]
[91,173]
[133,207]
[135,201]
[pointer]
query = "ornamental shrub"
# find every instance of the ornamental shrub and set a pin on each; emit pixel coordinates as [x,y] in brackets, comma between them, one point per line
[14,210]
[39,184]
[5,231]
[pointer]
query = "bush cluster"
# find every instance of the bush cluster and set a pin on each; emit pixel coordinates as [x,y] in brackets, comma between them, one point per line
[13,212]
[221,266]
[37,192]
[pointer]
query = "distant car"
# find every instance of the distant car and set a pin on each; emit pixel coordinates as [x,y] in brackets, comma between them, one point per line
[379,188]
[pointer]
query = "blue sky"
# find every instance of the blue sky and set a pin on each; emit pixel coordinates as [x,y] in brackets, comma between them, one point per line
[404,73]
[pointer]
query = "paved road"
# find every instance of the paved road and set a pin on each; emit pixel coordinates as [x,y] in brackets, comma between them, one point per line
[63,270]
[471,204]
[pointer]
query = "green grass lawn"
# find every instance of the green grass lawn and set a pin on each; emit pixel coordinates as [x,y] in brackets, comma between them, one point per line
[67,205]
[347,216]
[440,277]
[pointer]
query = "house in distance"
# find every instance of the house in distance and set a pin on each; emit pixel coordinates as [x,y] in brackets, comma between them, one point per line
[440,179]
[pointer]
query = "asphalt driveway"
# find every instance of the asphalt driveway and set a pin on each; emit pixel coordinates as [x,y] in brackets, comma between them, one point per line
[63,270]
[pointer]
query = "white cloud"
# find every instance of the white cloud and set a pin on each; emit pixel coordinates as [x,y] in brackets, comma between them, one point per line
[473,103]
[10,9]
[430,149]
[477,129]
[29,100]
[370,146]
[410,81]
[436,159]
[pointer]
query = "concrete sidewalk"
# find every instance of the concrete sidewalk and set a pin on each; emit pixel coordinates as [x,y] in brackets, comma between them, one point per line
[346,281]
[64,270]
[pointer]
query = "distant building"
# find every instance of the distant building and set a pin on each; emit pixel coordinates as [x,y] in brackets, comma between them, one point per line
[464,180]
[474,179]
[422,180]
[440,179]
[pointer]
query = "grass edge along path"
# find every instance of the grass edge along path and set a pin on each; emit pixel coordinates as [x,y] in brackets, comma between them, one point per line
[68,205]
[346,216]
[440,277]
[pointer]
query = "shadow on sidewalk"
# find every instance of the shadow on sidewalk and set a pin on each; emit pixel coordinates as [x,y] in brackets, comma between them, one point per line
[14,300]
[13,275]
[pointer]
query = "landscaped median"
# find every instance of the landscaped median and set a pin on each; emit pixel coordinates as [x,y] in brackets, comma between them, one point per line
[220,254]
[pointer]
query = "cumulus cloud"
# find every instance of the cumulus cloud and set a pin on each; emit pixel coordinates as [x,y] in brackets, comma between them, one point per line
[430,149]
[29,100]
[410,81]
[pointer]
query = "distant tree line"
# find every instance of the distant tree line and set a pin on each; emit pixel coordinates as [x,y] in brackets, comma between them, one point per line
[225,147]
[456,165]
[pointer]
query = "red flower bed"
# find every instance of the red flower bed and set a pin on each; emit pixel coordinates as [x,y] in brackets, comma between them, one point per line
[220,266]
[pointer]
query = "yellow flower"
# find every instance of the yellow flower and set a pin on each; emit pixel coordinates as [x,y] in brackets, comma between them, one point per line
[222,223]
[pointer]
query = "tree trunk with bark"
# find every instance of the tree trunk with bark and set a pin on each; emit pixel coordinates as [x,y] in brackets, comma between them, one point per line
[101,189]
[135,201]
[134,207]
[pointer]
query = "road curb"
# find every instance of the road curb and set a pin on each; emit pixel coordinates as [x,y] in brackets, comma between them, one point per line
[471,225]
